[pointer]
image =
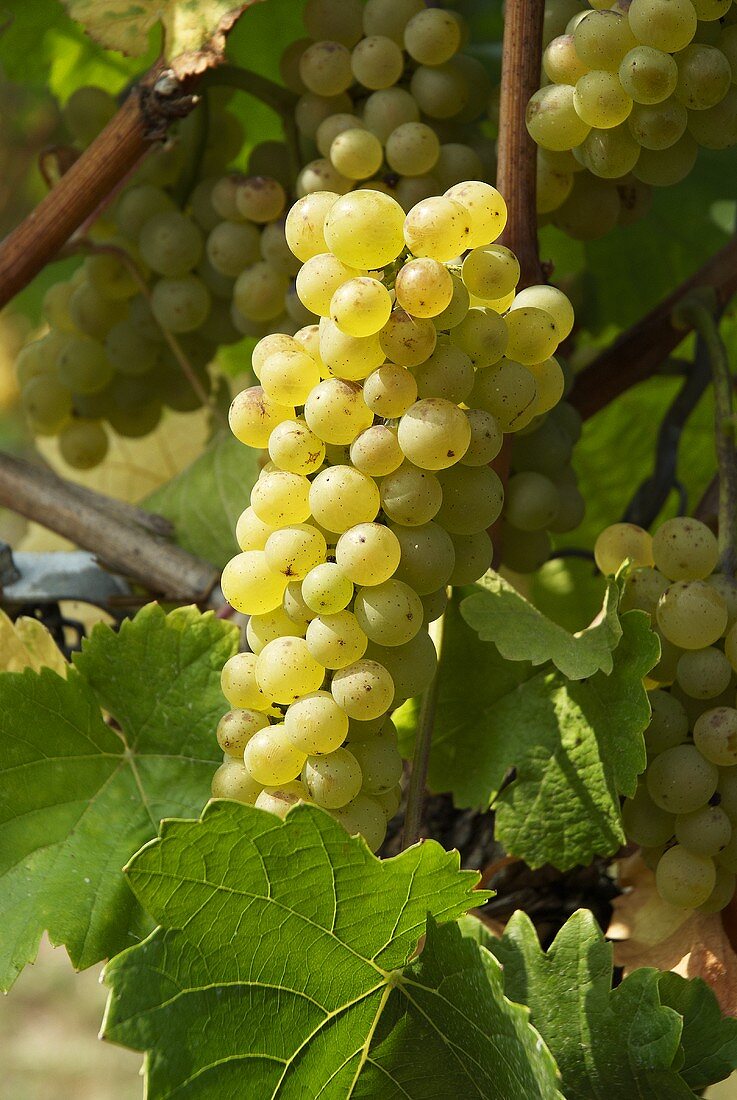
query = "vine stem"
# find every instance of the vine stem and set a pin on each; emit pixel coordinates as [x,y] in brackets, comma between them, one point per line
[695,313]
[423,744]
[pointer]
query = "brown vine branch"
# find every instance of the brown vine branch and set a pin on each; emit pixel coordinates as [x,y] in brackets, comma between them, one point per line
[111,530]
[516,153]
[638,353]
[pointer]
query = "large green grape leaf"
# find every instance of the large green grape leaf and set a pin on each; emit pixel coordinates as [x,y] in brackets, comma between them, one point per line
[204,501]
[709,1040]
[500,614]
[611,1044]
[575,745]
[79,796]
[281,967]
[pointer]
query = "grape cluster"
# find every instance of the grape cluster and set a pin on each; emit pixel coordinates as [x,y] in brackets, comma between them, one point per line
[387,99]
[380,422]
[632,91]
[105,361]
[684,813]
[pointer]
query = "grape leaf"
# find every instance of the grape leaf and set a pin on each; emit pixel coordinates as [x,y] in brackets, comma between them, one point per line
[78,797]
[709,1040]
[281,967]
[576,745]
[500,614]
[608,1043]
[188,24]
[26,643]
[204,500]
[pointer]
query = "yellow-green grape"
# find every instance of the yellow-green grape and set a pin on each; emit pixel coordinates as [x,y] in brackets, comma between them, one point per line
[376,451]
[645,823]
[389,614]
[93,314]
[336,640]
[472,499]
[310,110]
[600,100]
[553,121]
[728,791]
[389,801]
[250,585]
[280,497]
[339,21]
[432,36]
[180,305]
[491,271]
[259,292]
[550,384]
[715,735]
[170,243]
[262,629]
[704,673]
[364,690]
[319,278]
[411,666]
[642,590]
[83,444]
[448,373]
[236,728]
[681,780]
[232,246]
[336,411]
[685,879]
[665,670]
[434,605]
[390,391]
[332,780]
[287,377]
[390,17]
[359,731]
[571,508]
[531,501]
[348,357]
[356,153]
[483,336]
[233,780]
[553,186]
[239,685]
[726,586]
[486,438]
[109,273]
[128,352]
[691,614]
[321,175]
[668,725]
[368,553]
[412,149]
[315,723]
[285,669]
[561,63]
[326,590]
[722,893]
[411,496]
[294,551]
[363,817]
[728,856]
[434,433]
[361,306]
[271,759]
[387,109]
[685,549]
[294,447]
[533,335]
[423,287]
[82,366]
[716,128]
[648,75]
[364,229]
[706,831]
[251,533]
[377,62]
[660,126]
[665,167]
[437,227]
[456,309]
[325,68]
[621,542]
[427,557]
[340,497]
[508,391]
[295,606]
[591,210]
[380,763]
[304,226]
[407,340]
[279,800]
[667,25]
[610,154]
[334,125]
[602,39]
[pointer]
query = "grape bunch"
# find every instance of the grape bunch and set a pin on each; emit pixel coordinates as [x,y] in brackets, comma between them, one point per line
[144,298]
[380,422]
[388,99]
[684,813]
[631,93]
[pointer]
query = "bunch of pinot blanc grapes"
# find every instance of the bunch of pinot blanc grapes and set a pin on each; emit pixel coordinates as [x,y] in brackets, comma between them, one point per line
[684,813]
[631,93]
[380,422]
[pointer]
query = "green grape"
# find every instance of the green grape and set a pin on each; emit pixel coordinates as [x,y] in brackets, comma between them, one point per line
[239,686]
[705,832]
[377,62]
[427,557]
[531,501]
[432,36]
[665,167]
[602,39]
[110,275]
[380,763]
[331,127]
[552,301]
[704,77]
[660,126]
[389,17]
[389,613]
[711,9]
[715,128]
[364,229]
[340,497]
[325,68]
[561,62]
[704,673]
[407,341]
[423,287]
[200,201]
[336,411]
[622,542]
[311,110]
[279,800]
[696,707]
[472,499]
[668,725]
[727,791]
[387,109]
[261,629]
[279,497]
[685,549]
[390,391]
[610,154]
[315,723]
[258,293]
[349,357]
[356,153]
[681,780]
[336,640]
[691,614]
[368,553]
[326,590]
[473,555]
[233,780]
[722,893]
[413,189]
[648,75]
[232,247]
[726,586]
[87,111]
[457,163]
[550,383]
[667,25]
[128,352]
[249,585]
[412,149]
[137,422]
[600,100]
[170,243]
[364,690]
[508,391]
[236,728]
[438,227]
[390,801]
[715,735]
[434,434]
[180,305]
[434,605]
[411,496]
[294,551]
[321,175]
[447,374]
[376,451]
[360,307]
[533,335]
[727,858]
[571,508]
[91,313]
[274,249]
[363,816]
[253,417]
[645,823]
[318,280]
[285,669]
[38,358]
[411,666]
[270,758]
[456,309]
[491,271]
[336,19]
[83,444]
[665,670]
[591,210]
[482,335]
[82,365]
[552,119]
[47,404]
[553,186]
[304,226]
[545,448]
[683,878]
[332,780]
[288,377]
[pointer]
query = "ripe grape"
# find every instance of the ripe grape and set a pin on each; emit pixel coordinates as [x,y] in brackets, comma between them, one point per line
[332,780]
[683,878]
[681,779]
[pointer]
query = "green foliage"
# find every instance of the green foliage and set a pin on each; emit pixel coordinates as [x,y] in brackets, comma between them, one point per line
[708,1039]
[81,795]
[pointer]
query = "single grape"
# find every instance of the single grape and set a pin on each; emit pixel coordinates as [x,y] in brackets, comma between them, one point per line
[368,553]
[363,816]
[683,878]
[681,780]
[285,669]
[684,549]
[668,725]
[704,673]
[294,447]
[508,391]
[715,735]
[667,25]
[691,614]
[326,590]
[364,690]
[411,666]
[364,229]
[239,686]
[83,444]
[423,287]
[233,780]
[622,542]
[336,640]
[448,373]
[250,585]
[438,227]
[407,340]
[236,728]
[262,629]
[411,496]
[315,723]
[304,227]
[722,893]
[360,306]
[251,533]
[279,497]
[645,823]
[389,613]
[428,557]
[340,497]
[170,243]
[279,800]
[552,119]
[706,831]
[336,411]
[271,759]
[472,499]
[376,451]
[483,336]
[434,434]
[332,780]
